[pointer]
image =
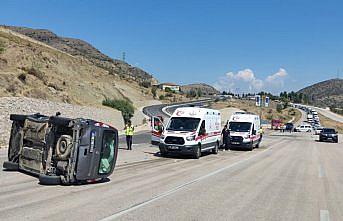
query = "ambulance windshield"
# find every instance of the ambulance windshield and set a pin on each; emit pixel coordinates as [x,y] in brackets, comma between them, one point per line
[239,126]
[183,124]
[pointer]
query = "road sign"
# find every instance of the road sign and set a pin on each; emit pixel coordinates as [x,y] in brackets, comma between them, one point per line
[258,100]
[266,102]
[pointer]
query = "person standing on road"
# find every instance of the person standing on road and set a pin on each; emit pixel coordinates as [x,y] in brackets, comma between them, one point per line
[129,130]
[226,137]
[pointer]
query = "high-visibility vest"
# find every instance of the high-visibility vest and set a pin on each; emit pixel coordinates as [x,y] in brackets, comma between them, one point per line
[129,131]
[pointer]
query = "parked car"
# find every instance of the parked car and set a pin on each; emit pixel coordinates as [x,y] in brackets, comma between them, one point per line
[62,150]
[289,127]
[317,130]
[328,134]
[303,128]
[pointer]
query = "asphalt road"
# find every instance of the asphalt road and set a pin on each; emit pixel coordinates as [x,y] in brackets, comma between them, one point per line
[156,110]
[329,114]
[290,177]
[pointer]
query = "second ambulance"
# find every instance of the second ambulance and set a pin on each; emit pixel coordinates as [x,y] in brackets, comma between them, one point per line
[245,131]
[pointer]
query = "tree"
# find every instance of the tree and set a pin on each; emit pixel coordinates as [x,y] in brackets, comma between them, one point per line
[199,92]
[153,91]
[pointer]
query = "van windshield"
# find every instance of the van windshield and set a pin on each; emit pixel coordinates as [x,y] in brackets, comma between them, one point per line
[183,124]
[239,126]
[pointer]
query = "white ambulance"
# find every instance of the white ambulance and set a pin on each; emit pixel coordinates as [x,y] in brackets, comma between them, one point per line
[245,131]
[191,131]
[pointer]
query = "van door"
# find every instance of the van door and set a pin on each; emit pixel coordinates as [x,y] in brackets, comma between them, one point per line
[157,128]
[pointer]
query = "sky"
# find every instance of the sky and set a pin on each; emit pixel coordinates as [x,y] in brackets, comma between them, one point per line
[238,46]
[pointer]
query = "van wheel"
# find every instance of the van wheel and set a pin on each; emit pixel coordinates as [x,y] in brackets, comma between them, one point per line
[49,180]
[63,147]
[215,149]
[18,117]
[197,153]
[10,166]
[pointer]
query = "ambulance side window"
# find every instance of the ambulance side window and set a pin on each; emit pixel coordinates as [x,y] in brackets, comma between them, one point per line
[202,130]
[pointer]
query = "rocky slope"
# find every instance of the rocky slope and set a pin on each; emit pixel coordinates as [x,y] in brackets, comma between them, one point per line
[205,88]
[326,93]
[79,47]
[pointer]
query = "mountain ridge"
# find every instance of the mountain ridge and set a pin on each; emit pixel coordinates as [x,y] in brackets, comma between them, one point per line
[78,47]
[328,93]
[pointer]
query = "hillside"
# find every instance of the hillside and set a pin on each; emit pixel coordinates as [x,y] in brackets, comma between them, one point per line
[29,68]
[326,93]
[78,47]
[205,88]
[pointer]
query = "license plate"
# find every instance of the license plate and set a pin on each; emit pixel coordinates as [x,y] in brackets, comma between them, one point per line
[173,147]
[235,142]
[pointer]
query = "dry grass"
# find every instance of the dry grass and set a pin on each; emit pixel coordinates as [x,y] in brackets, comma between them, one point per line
[327,122]
[267,113]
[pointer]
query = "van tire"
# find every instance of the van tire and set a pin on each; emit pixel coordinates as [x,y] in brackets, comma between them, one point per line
[63,147]
[60,121]
[49,180]
[197,153]
[10,166]
[18,117]
[215,149]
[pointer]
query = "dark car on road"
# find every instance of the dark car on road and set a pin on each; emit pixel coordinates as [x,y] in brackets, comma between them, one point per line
[289,127]
[328,134]
[62,150]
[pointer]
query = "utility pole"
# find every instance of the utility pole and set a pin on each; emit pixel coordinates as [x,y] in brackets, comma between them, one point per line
[124,55]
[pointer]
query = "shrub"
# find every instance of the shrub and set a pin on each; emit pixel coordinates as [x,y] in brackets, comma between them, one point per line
[153,91]
[145,84]
[169,95]
[279,108]
[124,106]
[2,47]
[191,93]
[161,97]
[199,92]
[168,90]
[22,77]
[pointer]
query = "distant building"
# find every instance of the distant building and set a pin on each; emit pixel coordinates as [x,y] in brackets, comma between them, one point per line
[171,86]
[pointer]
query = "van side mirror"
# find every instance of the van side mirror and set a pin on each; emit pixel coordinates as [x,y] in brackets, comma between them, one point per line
[254,132]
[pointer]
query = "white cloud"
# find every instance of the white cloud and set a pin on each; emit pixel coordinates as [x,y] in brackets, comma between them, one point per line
[246,81]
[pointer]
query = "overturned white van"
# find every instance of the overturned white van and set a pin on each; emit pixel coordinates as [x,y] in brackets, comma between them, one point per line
[191,131]
[245,131]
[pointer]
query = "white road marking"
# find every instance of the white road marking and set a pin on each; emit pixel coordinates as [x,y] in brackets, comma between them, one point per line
[324,215]
[180,187]
[321,171]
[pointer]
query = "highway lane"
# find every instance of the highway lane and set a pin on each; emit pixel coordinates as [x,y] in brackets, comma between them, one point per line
[291,177]
[329,114]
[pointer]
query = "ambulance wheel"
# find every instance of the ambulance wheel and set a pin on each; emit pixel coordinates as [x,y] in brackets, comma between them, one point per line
[215,149]
[197,153]
[251,146]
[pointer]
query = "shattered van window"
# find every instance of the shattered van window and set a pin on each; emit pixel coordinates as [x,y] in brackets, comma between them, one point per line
[107,152]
